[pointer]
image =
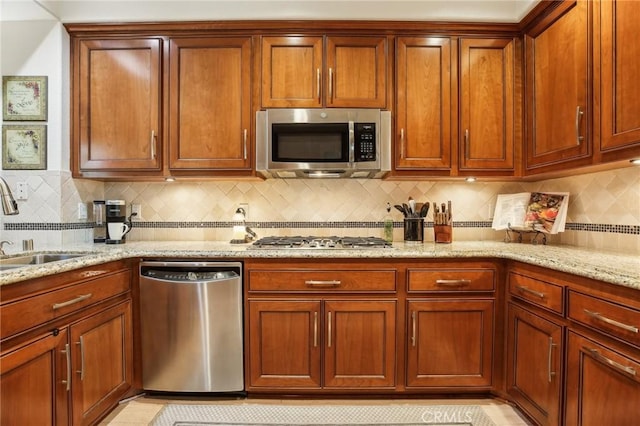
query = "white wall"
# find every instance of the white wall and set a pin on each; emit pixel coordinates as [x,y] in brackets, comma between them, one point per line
[41,47]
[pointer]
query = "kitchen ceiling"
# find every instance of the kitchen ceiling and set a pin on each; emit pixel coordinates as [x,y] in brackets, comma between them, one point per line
[176,10]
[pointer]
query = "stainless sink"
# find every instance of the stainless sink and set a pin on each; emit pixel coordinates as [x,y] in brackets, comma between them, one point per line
[36,259]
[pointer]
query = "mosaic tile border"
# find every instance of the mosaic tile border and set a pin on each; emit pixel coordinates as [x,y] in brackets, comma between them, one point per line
[31,226]
[49,226]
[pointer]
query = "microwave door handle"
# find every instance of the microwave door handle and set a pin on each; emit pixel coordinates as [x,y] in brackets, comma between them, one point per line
[352,143]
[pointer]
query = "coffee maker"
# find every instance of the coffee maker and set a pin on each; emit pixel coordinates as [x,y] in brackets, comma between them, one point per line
[117,224]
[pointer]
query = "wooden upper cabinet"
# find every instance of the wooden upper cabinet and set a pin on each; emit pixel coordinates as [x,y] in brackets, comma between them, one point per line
[486,132]
[117,106]
[297,73]
[210,103]
[424,111]
[557,88]
[617,76]
[356,72]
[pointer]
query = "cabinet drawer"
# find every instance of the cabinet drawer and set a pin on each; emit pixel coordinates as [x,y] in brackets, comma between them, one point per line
[537,292]
[443,280]
[614,320]
[32,311]
[318,281]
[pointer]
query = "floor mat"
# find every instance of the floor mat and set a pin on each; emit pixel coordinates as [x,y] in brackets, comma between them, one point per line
[321,415]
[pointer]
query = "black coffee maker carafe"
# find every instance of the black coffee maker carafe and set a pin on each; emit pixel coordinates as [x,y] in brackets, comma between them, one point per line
[117,224]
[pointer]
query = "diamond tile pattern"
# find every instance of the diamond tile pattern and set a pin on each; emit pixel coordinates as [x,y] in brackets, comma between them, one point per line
[610,197]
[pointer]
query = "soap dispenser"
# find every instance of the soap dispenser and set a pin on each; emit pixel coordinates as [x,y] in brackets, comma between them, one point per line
[388,225]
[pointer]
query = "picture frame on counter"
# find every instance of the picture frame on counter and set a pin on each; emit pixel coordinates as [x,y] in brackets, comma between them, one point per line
[24,98]
[24,147]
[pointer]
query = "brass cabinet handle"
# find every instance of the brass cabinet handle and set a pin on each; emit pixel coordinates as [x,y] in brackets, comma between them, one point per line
[81,371]
[315,329]
[623,368]
[329,329]
[413,329]
[67,353]
[402,143]
[323,283]
[78,299]
[453,283]
[579,114]
[244,136]
[466,144]
[524,289]
[610,321]
[318,84]
[153,144]
[551,346]
[331,84]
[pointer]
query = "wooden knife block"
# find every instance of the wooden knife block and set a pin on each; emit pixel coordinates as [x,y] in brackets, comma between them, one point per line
[442,233]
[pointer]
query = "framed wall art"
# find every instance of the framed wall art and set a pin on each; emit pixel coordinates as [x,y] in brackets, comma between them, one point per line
[24,147]
[24,98]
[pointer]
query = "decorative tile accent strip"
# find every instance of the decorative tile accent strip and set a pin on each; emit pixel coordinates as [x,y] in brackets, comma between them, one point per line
[27,226]
[30,226]
[603,227]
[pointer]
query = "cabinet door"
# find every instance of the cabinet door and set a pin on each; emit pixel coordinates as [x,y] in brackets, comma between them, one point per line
[618,76]
[284,343]
[34,382]
[556,58]
[534,368]
[210,105]
[102,359]
[450,343]
[423,116]
[118,92]
[360,343]
[356,72]
[291,72]
[603,387]
[487,104]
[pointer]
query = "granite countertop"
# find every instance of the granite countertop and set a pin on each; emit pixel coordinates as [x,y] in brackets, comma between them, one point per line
[611,267]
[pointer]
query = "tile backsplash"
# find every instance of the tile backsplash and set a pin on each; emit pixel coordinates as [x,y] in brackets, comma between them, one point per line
[203,210]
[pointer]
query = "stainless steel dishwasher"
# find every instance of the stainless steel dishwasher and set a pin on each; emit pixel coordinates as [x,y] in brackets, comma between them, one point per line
[191,326]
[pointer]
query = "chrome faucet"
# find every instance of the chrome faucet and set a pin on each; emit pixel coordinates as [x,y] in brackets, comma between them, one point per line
[2,243]
[9,205]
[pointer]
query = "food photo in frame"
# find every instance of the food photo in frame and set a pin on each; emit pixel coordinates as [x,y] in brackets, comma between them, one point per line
[24,98]
[24,147]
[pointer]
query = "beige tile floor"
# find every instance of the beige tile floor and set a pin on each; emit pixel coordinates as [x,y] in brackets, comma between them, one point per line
[142,410]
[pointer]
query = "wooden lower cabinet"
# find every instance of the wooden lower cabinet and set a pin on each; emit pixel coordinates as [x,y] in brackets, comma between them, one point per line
[32,382]
[284,343]
[534,364]
[322,344]
[603,387]
[87,364]
[102,356]
[450,343]
[360,343]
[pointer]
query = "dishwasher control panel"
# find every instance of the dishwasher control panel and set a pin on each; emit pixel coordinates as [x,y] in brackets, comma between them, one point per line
[189,276]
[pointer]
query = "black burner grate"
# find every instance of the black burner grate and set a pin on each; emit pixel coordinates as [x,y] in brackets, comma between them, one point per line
[312,242]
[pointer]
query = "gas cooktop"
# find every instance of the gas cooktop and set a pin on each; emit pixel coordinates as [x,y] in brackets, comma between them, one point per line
[299,242]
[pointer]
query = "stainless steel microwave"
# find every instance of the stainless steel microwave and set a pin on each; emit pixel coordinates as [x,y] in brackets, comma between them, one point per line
[323,143]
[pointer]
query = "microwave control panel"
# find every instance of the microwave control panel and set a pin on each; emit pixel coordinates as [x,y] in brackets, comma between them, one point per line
[365,142]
